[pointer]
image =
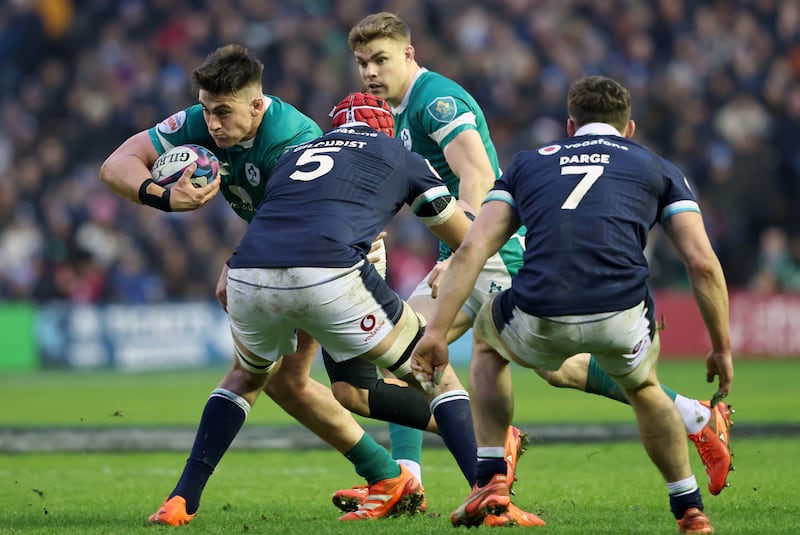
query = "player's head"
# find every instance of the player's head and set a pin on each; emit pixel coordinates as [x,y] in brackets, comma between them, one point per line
[381,43]
[364,108]
[229,89]
[597,99]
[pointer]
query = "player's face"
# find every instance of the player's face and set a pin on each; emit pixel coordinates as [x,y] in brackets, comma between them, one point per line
[231,118]
[384,66]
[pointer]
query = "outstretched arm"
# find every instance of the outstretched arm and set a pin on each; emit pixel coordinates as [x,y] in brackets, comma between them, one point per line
[487,234]
[690,241]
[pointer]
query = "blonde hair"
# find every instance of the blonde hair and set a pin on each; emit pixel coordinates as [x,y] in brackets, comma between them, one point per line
[377,26]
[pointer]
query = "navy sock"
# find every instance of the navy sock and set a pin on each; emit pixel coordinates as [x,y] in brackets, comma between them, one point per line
[680,503]
[223,417]
[487,468]
[454,418]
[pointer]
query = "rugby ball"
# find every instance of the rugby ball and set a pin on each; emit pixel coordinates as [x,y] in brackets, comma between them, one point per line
[170,166]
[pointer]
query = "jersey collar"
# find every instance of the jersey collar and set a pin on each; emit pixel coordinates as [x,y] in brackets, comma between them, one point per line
[402,107]
[597,129]
[248,143]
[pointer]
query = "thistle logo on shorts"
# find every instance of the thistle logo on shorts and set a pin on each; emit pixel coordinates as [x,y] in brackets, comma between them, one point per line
[173,123]
[443,109]
[550,149]
[368,323]
[495,288]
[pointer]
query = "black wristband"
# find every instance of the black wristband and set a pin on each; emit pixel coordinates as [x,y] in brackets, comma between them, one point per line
[469,215]
[156,201]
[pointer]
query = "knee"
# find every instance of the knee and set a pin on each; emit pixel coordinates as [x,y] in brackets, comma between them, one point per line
[351,398]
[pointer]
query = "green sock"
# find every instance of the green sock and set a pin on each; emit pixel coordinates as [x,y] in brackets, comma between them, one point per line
[372,461]
[670,392]
[406,442]
[600,383]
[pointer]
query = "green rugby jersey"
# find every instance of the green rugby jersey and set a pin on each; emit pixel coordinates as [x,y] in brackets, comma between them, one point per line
[246,166]
[433,112]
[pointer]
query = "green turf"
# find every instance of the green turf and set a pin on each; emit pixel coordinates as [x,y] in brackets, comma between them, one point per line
[578,489]
[763,391]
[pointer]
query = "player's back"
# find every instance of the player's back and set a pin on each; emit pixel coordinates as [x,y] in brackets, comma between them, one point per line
[327,200]
[588,203]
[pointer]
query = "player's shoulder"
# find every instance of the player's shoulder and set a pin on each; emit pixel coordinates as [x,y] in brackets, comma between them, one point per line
[440,96]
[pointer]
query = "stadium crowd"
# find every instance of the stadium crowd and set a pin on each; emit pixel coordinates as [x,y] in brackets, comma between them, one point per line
[715,87]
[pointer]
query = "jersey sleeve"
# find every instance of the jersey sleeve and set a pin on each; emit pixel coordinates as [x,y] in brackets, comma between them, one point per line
[677,195]
[430,200]
[185,126]
[503,189]
[446,111]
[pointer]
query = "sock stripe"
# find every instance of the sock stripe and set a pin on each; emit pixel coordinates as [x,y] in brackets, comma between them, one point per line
[233,397]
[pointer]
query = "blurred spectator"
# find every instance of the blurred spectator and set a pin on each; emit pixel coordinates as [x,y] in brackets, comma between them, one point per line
[778,269]
[715,86]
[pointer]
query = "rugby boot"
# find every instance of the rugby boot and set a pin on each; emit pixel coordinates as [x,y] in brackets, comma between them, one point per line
[694,521]
[350,499]
[713,445]
[513,517]
[172,513]
[389,497]
[491,499]
[515,445]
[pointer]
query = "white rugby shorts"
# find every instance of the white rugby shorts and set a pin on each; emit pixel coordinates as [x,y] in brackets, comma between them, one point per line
[493,279]
[619,341]
[347,310]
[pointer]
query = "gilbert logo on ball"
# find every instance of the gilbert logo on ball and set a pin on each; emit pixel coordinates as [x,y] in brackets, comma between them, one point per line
[170,166]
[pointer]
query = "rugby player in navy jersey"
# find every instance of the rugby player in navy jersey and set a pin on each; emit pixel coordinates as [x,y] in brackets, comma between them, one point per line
[248,131]
[302,264]
[588,202]
[439,119]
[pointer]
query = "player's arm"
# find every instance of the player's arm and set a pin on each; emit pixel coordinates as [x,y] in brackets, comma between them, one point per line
[467,158]
[485,236]
[688,236]
[127,170]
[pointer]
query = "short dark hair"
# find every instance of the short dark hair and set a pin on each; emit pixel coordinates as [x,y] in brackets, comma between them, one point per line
[377,26]
[228,70]
[599,99]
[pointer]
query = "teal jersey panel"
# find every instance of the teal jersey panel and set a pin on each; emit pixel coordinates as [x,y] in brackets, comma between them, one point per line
[246,166]
[433,112]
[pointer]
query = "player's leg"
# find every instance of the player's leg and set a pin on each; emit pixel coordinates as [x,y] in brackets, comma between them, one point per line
[356,385]
[392,489]
[222,418]
[660,425]
[492,407]
[708,427]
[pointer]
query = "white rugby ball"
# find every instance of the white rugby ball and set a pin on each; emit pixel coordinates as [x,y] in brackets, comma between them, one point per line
[170,166]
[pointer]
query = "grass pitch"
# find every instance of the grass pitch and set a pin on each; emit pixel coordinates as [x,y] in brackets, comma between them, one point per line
[588,488]
[577,489]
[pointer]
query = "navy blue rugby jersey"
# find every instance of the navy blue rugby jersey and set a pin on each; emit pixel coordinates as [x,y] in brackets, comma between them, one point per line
[327,199]
[588,202]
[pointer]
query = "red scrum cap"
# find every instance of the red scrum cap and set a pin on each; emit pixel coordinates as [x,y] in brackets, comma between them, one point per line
[365,108]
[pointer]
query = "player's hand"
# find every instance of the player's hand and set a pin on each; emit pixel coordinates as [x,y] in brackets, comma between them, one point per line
[377,254]
[720,364]
[436,275]
[185,196]
[428,361]
[222,287]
